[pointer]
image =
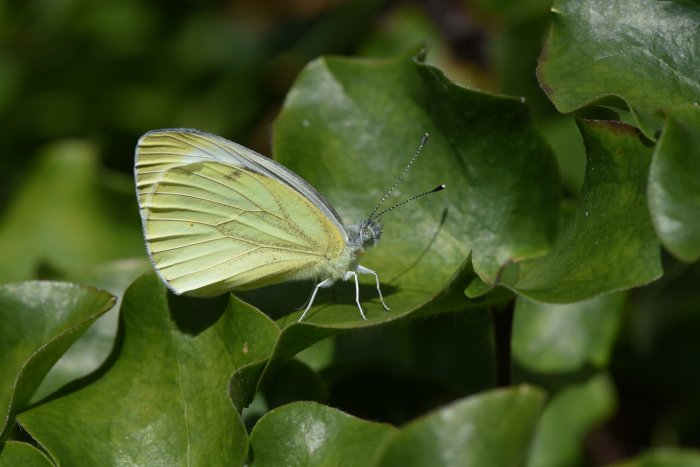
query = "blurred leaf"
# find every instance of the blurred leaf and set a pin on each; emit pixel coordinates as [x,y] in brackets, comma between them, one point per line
[44,319]
[564,137]
[552,338]
[306,433]
[609,243]
[405,28]
[15,454]
[92,348]
[568,418]
[664,457]
[68,215]
[350,127]
[515,46]
[493,428]
[163,400]
[643,51]
[674,184]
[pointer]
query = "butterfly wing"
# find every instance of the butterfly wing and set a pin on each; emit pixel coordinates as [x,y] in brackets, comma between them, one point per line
[213,224]
[160,150]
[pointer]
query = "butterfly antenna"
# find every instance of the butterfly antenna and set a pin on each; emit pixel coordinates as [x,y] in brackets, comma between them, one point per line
[434,190]
[423,140]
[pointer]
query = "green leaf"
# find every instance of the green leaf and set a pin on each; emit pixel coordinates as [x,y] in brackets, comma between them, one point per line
[664,457]
[68,215]
[493,428]
[556,338]
[643,51]
[163,400]
[14,454]
[568,418]
[349,127]
[608,243]
[674,184]
[42,320]
[307,433]
[92,348]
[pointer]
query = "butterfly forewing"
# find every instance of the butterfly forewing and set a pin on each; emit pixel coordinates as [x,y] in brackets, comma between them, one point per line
[160,150]
[212,226]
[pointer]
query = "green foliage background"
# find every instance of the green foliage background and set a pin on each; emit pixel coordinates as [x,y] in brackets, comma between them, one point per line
[544,307]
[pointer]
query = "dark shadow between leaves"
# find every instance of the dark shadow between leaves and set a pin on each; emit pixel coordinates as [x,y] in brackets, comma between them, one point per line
[552,381]
[192,315]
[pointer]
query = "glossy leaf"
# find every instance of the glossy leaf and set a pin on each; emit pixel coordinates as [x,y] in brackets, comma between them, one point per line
[493,428]
[643,51]
[42,320]
[164,397]
[608,242]
[568,418]
[15,454]
[674,184]
[349,127]
[565,338]
[307,433]
[69,215]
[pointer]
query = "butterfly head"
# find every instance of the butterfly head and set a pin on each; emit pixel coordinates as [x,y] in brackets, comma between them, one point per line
[369,233]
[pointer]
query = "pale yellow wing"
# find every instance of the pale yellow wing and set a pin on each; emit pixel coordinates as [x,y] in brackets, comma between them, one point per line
[211,227]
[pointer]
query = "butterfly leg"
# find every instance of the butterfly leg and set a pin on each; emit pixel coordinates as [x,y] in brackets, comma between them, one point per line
[324,283]
[306,302]
[365,270]
[348,275]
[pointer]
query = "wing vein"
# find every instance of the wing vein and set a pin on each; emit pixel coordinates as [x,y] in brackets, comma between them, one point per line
[240,239]
[212,265]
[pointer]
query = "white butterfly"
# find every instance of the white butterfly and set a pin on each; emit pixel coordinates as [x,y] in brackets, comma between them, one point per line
[218,217]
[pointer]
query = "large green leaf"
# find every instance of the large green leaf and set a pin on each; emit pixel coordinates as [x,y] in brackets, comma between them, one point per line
[16,454]
[349,127]
[164,399]
[68,215]
[568,418]
[674,184]
[40,321]
[493,428]
[566,338]
[306,433]
[608,242]
[643,51]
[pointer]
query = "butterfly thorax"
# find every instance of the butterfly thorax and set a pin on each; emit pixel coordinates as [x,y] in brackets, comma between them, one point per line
[364,235]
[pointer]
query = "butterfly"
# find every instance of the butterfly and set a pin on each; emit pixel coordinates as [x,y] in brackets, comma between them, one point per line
[219,217]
